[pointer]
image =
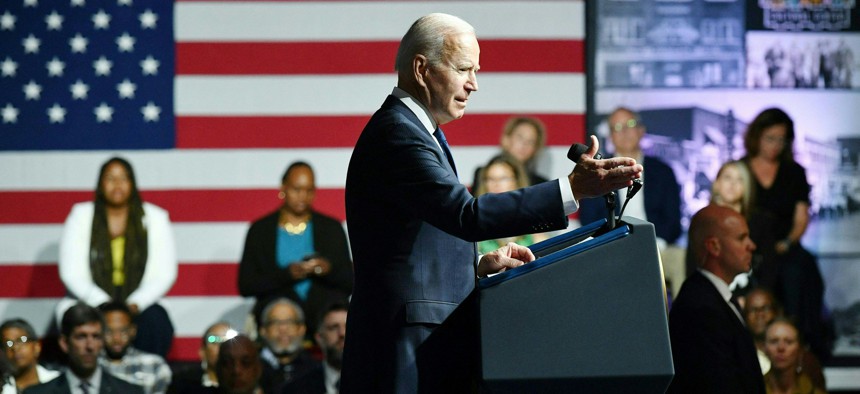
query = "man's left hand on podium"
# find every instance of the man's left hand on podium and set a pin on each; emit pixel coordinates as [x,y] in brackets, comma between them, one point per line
[508,256]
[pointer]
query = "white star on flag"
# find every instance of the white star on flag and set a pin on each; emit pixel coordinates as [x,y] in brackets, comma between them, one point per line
[126,89]
[125,42]
[102,66]
[78,3]
[78,43]
[8,67]
[55,67]
[149,66]
[101,20]
[31,44]
[7,21]
[10,114]
[150,112]
[54,21]
[32,91]
[31,3]
[148,19]
[79,90]
[104,113]
[57,114]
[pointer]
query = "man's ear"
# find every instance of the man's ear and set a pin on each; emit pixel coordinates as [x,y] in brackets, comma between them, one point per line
[420,68]
[712,246]
[64,344]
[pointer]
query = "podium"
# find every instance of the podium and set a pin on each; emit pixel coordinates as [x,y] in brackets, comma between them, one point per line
[588,316]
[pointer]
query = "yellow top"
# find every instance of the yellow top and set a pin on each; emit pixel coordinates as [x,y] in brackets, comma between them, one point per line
[117,250]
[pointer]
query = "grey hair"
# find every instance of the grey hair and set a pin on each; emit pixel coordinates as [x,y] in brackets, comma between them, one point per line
[300,314]
[427,37]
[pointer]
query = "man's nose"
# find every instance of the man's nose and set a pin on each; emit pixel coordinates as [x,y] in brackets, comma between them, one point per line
[472,85]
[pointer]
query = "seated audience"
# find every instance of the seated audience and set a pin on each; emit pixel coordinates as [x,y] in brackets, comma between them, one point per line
[82,339]
[659,201]
[330,336]
[122,360]
[760,310]
[783,347]
[296,252]
[21,347]
[281,331]
[711,348]
[191,380]
[523,138]
[119,248]
[502,174]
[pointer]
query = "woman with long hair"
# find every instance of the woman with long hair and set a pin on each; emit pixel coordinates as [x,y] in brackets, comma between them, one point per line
[782,199]
[119,248]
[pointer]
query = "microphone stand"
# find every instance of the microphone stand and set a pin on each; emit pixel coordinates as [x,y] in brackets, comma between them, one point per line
[610,209]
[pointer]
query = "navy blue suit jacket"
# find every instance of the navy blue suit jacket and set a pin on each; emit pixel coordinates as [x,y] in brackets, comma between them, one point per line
[412,229]
[711,349]
[109,385]
[662,201]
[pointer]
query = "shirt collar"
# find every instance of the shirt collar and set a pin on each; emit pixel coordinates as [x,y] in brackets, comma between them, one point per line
[721,286]
[94,381]
[332,376]
[417,108]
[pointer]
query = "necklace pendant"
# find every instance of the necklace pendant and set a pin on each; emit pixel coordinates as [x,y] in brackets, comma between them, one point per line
[297,229]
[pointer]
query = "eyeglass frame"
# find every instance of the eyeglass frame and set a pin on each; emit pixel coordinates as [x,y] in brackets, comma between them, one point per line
[623,126]
[16,343]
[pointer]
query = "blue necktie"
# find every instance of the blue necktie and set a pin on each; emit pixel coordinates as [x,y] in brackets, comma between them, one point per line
[440,136]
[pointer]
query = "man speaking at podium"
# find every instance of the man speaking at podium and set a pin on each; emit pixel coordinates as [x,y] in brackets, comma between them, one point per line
[413,226]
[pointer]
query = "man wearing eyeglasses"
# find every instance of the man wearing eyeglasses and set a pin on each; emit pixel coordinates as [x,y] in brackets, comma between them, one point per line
[22,348]
[124,360]
[660,201]
[282,329]
[82,339]
[330,336]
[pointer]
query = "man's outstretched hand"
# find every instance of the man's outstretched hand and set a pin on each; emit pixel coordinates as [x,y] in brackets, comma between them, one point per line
[593,178]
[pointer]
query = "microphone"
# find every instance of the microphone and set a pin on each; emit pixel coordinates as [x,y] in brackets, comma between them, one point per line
[631,191]
[577,150]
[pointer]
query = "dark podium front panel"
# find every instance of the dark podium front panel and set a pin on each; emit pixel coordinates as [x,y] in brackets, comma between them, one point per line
[588,316]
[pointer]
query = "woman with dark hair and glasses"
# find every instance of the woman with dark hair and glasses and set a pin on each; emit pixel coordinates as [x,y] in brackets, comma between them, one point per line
[119,248]
[782,200]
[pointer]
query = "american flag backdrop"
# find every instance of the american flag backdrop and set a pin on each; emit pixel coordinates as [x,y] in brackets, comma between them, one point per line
[210,101]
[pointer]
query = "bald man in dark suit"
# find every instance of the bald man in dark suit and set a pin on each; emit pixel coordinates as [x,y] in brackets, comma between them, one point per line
[711,348]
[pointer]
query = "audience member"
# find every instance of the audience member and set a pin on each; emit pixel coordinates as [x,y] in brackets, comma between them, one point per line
[760,310]
[21,347]
[296,252]
[523,138]
[733,187]
[281,331]
[711,348]
[239,367]
[659,201]
[123,360]
[119,248]
[82,339]
[330,337]
[192,380]
[782,198]
[502,174]
[783,346]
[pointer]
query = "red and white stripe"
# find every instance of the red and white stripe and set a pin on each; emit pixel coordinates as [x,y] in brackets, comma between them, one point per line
[260,85]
